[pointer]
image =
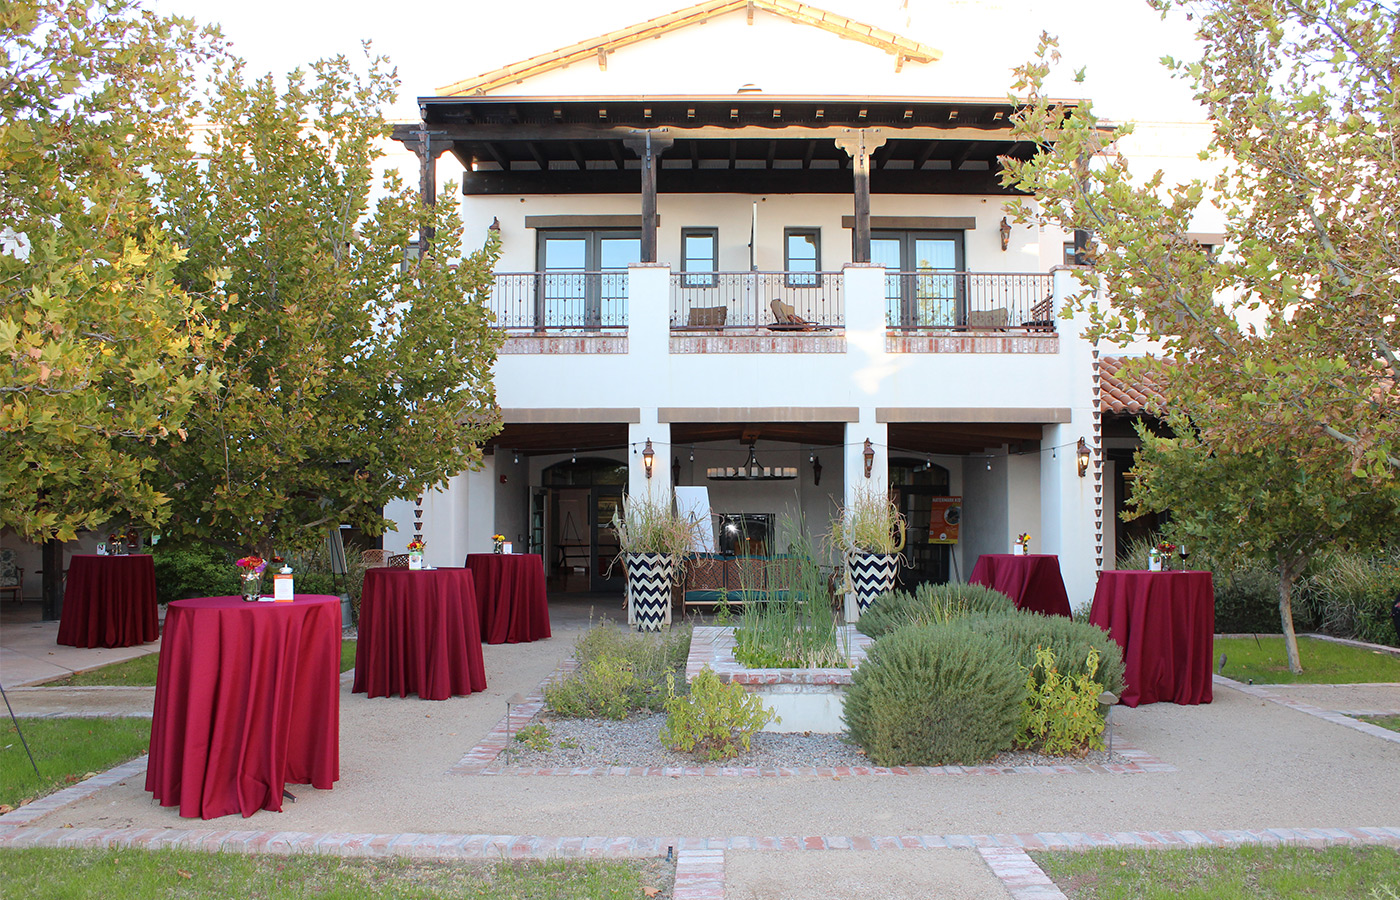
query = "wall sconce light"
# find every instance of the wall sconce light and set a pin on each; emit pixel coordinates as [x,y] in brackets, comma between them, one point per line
[869,457]
[648,457]
[1082,457]
[816,469]
[1005,233]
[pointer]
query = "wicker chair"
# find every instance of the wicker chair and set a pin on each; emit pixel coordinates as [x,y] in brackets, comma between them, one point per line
[374,559]
[398,561]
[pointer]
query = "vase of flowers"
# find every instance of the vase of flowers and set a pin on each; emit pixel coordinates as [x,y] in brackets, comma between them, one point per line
[251,570]
[498,543]
[415,553]
[870,534]
[1022,545]
[1159,557]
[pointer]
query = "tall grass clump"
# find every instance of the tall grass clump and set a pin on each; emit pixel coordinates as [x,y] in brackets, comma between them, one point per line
[1351,594]
[795,627]
[618,673]
[871,523]
[930,604]
[934,695]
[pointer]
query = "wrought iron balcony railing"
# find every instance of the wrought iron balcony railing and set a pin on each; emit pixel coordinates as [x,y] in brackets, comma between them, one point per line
[969,301]
[709,300]
[560,301]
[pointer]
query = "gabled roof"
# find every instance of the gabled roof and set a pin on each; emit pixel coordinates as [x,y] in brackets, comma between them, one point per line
[1139,394]
[902,48]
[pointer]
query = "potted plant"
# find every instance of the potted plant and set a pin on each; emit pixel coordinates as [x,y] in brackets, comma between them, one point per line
[869,533]
[653,539]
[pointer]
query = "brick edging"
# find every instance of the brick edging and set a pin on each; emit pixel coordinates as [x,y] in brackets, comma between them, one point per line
[1328,715]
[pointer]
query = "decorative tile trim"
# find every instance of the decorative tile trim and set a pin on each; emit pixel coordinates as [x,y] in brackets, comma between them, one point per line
[962,342]
[1332,716]
[562,344]
[760,341]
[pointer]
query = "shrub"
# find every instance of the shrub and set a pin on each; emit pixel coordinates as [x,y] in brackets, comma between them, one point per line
[1060,715]
[715,720]
[618,673]
[1022,632]
[536,737]
[930,604]
[193,570]
[935,695]
[1246,600]
[1350,595]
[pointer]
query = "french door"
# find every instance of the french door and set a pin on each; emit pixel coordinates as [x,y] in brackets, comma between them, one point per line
[923,282]
[584,277]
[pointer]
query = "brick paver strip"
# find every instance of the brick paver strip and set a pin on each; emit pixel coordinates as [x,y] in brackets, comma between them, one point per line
[1332,716]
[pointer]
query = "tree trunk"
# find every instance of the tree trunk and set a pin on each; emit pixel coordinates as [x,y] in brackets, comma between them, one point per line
[1286,577]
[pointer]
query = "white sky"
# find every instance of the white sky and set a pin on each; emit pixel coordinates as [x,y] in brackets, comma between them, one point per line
[434,43]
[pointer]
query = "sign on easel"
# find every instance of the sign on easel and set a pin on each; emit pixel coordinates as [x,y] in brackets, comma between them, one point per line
[693,502]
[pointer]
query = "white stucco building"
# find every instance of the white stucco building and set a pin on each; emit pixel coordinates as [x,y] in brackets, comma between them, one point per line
[658,219]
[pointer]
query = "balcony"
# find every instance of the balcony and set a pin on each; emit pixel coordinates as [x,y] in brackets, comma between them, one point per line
[746,300]
[560,302]
[968,301]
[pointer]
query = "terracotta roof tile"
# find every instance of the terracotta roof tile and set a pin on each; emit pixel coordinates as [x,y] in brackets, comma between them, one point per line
[1131,394]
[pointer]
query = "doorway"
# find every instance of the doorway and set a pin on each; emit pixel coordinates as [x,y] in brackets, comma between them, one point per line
[580,499]
[915,483]
[924,277]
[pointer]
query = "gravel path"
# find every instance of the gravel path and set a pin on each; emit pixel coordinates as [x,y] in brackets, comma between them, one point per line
[636,742]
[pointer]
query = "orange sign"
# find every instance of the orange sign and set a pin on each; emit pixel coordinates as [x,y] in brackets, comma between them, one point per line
[944,520]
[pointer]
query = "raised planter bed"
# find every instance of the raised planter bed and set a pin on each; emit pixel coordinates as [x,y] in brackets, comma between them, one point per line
[805,699]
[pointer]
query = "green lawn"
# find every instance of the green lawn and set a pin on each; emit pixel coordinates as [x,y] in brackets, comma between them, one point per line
[1391,722]
[141,672]
[1243,873]
[186,875]
[65,750]
[1324,662]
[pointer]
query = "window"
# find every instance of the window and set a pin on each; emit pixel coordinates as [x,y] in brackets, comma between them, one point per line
[699,253]
[1071,258]
[802,252]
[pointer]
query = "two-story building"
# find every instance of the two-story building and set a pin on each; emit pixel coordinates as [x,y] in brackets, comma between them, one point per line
[784,290]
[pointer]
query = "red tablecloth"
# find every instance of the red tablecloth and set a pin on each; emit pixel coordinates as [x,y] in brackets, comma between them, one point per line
[419,633]
[247,699]
[510,595]
[1032,581]
[109,601]
[1165,623]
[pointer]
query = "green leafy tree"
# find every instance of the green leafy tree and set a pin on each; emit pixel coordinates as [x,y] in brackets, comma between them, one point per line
[1284,338]
[356,376]
[102,353]
[1290,331]
[1270,505]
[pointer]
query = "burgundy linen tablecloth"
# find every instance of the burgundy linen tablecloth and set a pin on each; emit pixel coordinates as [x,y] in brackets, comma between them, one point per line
[1032,581]
[1165,623]
[419,633]
[109,601]
[247,699]
[510,596]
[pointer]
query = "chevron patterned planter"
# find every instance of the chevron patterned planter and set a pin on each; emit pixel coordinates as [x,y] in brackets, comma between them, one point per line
[872,574]
[649,577]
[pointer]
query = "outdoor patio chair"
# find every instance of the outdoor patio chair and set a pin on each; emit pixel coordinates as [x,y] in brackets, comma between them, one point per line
[398,561]
[785,318]
[706,317]
[11,575]
[988,318]
[374,558]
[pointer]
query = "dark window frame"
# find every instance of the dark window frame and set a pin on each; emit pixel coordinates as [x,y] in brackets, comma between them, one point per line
[703,277]
[802,280]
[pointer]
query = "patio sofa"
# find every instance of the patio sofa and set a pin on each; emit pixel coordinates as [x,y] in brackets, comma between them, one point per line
[712,578]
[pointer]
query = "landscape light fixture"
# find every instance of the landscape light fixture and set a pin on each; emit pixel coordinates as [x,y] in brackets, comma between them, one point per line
[648,457]
[869,457]
[1082,456]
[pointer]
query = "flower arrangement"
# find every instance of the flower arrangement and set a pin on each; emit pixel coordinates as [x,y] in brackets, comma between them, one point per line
[1024,539]
[416,545]
[251,565]
[1166,548]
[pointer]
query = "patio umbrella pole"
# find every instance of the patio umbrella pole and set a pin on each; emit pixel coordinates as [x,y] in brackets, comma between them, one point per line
[17,729]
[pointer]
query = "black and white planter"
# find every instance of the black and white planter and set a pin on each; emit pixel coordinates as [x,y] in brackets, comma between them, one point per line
[872,574]
[649,579]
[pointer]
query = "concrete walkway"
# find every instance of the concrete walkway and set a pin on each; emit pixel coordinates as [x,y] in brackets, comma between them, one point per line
[30,652]
[1254,766]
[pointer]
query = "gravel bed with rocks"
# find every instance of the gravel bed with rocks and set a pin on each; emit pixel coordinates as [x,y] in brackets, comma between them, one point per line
[636,742]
